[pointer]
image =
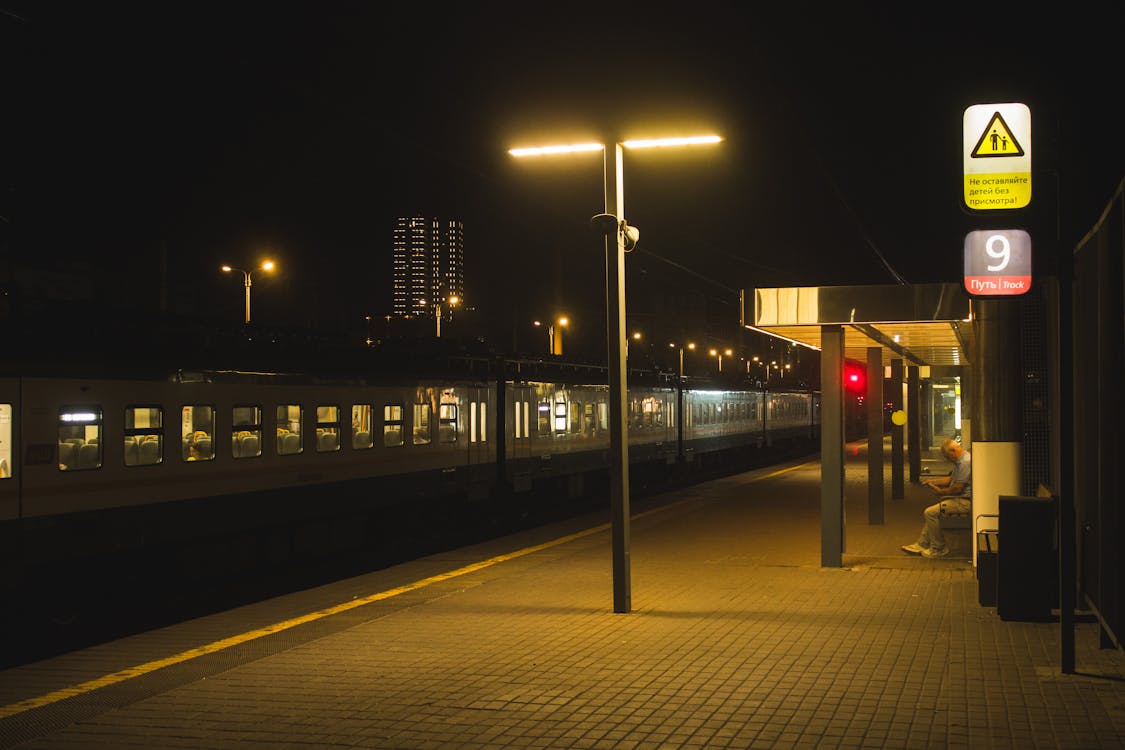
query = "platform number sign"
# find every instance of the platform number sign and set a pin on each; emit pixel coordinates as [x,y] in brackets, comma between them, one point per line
[997,156]
[997,262]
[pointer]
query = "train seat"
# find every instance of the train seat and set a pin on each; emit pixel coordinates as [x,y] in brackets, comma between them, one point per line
[89,456]
[68,455]
[361,440]
[327,441]
[149,452]
[250,446]
[132,453]
[289,443]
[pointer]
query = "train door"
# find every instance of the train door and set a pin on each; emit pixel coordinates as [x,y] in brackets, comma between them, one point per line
[9,449]
[524,418]
[477,425]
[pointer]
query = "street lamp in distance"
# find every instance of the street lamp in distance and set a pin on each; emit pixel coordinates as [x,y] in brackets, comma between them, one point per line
[689,346]
[719,355]
[267,266]
[554,337]
[453,300]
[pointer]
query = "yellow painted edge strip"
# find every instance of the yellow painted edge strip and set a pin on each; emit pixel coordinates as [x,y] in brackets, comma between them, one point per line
[210,648]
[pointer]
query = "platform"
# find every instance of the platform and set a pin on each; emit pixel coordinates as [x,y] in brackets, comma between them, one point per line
[737,638]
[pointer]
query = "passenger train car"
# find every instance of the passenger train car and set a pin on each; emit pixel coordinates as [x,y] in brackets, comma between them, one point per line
[202,473]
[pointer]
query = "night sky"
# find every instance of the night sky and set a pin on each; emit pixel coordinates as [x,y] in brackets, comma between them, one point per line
[218,132]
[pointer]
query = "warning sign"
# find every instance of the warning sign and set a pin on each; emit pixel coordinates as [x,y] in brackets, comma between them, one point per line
[997,140]
[997,156]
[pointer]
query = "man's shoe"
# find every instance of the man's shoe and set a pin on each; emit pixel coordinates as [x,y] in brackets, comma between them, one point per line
[914,549]
[935,553]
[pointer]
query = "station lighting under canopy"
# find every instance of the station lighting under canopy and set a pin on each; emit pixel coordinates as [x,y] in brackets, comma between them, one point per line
[573,148]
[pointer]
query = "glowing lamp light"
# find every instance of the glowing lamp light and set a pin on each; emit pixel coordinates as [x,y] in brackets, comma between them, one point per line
[855,378]
[694,140]
[573,148]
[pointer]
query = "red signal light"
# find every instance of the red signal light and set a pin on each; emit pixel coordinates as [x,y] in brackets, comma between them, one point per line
[855,378]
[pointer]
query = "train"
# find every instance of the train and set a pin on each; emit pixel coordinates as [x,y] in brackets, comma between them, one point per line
[200,475]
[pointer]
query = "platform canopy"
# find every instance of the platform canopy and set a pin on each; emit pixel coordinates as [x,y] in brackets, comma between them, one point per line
[923,324]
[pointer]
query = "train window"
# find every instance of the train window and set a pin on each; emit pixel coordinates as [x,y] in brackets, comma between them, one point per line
[5,441]
[197,428]
[517,423]
[144,435]
[588,423]
[80,433]
[289,421]
[327,429]
[576,417]
[392,425]
[603,415]
[246,431]
[361,426]
[544,418]
[560,413]
[422,424]
[447,422]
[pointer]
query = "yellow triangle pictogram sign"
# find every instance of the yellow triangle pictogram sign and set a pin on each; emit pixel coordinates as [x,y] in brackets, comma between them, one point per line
[996,140]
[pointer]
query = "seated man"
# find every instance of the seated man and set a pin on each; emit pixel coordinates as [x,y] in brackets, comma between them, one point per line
[957,488]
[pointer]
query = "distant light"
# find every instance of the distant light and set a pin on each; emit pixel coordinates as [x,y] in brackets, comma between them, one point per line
[694,140]
[267,266]
[564,321]
[78,417]
[227,269]
[547,150]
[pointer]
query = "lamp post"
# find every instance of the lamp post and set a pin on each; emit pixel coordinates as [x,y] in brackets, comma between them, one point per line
[635,336]
[690,345]
[554,338]
[267,266]
[617,236]
[758,360]
[453,300]
[719,355]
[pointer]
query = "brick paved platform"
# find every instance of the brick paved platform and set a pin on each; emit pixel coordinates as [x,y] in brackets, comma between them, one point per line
[737,639]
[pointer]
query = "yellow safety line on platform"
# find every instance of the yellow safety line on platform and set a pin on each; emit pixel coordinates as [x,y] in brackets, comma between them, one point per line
[210,648]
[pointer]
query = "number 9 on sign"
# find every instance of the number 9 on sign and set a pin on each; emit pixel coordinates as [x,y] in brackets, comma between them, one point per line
[998,246]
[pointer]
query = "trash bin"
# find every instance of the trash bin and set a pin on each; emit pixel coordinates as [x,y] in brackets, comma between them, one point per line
[1026,568]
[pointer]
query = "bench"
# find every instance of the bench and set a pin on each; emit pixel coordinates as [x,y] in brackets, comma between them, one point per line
[951,518]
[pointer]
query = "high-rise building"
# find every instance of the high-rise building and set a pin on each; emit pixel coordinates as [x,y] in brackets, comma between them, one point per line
[429,264]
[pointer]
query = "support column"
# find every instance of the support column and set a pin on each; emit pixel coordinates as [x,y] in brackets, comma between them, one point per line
[874,396]
[995,406]
[914,424]
[898,489]
[832,447]
[618,397]
[927,412]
